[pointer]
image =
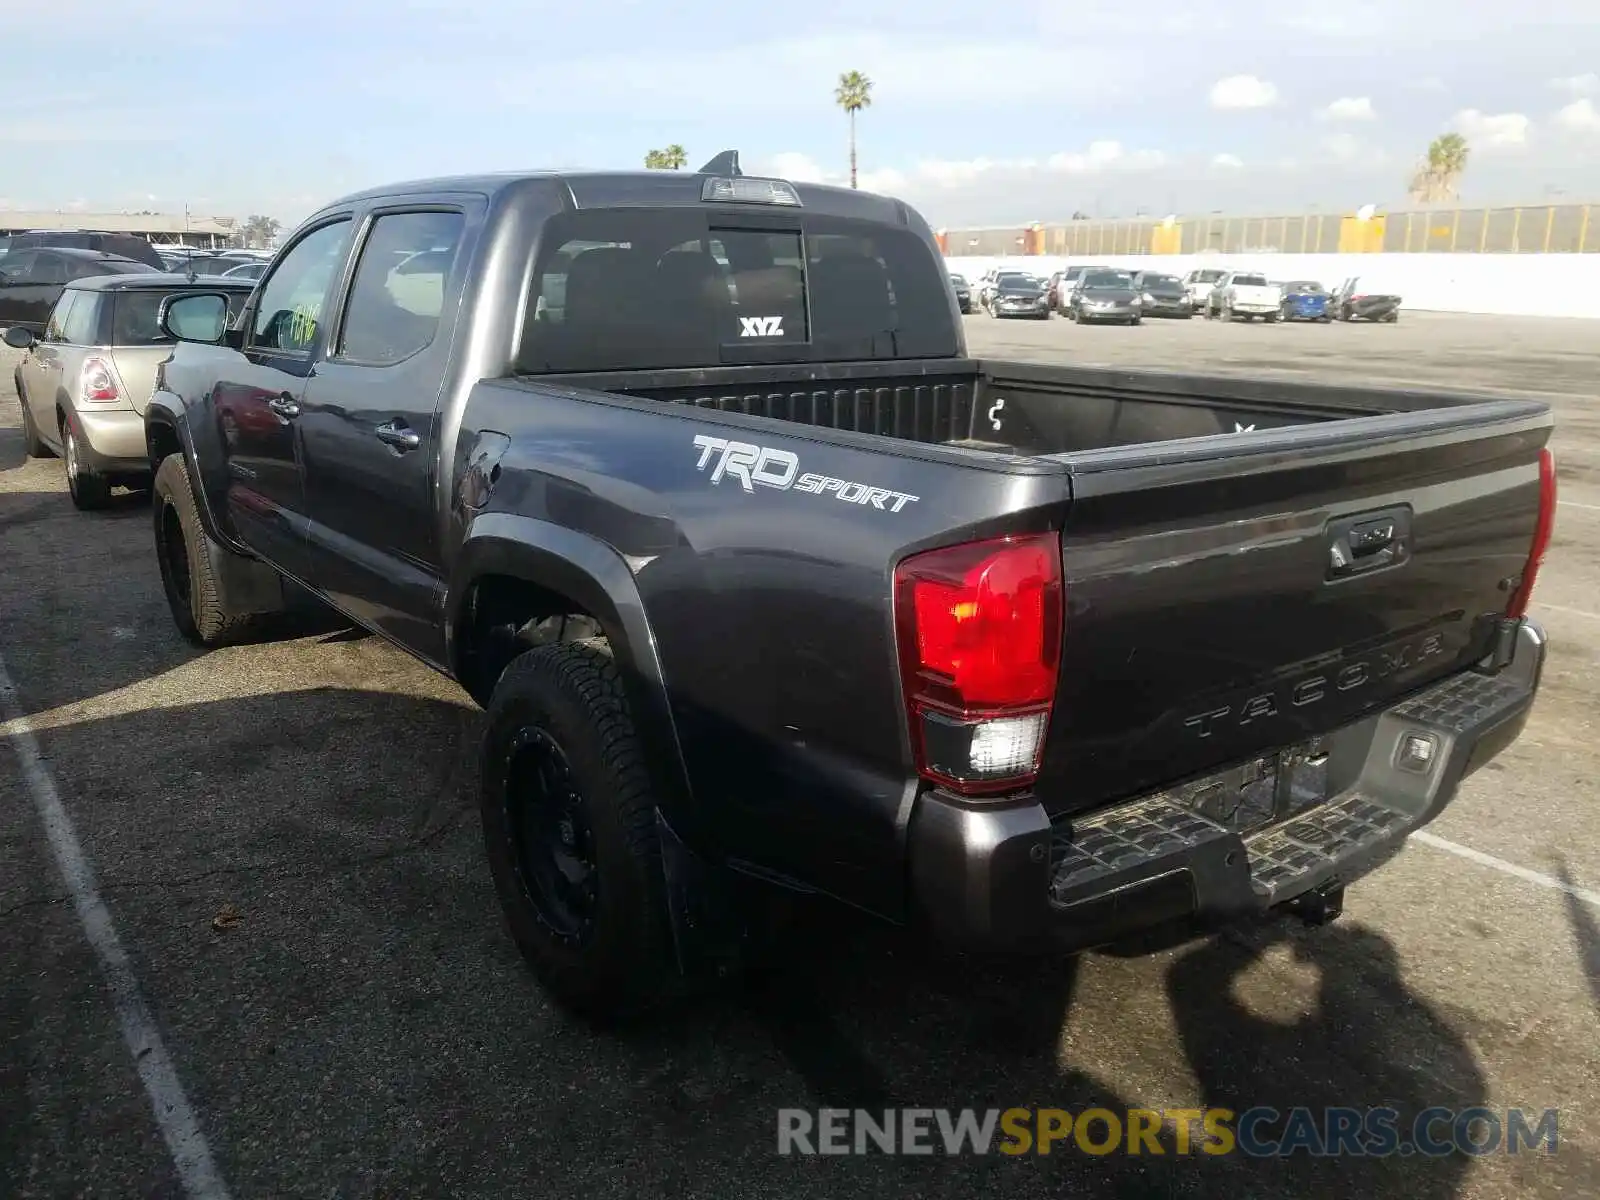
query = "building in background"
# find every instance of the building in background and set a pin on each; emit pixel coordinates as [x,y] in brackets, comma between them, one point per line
[162,229]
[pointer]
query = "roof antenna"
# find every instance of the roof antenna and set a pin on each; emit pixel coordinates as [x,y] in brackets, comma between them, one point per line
[726,163]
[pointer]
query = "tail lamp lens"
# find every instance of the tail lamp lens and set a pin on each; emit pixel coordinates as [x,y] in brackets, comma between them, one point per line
[980,628]
[97,383]
[1518,607]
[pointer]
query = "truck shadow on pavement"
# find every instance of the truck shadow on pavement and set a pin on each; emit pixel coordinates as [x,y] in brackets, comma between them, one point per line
[883,1024]
[299,879]
[1586,933]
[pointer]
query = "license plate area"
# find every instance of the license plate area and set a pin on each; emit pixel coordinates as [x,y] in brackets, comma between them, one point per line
[1260,791]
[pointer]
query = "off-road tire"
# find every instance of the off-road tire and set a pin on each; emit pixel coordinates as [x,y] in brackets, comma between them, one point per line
[190,585]
[622,966]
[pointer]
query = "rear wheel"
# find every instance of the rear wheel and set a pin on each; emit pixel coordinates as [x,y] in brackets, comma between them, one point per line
[569,812]
[88,489]
[1135,320]
[1270,318]
[187,559]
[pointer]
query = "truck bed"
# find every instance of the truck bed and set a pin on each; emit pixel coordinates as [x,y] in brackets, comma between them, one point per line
[1206,624]
[1010,407]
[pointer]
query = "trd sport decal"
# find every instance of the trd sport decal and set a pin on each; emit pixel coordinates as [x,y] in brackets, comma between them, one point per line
[765,466]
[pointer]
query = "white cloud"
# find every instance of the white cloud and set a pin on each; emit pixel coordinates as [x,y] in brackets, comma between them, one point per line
[943,174]
[1581,116]
[1348,108]
[1587,84]
[1230,161]
[1243,91]
[1105,155]
[799,168]
[1496,131]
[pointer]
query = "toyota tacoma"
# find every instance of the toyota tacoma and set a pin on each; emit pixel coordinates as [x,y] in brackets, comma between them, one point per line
[764,583]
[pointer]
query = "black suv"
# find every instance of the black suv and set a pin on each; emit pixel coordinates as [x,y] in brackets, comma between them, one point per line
[123,245]
[31,281]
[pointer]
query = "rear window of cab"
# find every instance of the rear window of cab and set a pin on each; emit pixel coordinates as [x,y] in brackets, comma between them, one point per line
[635,289]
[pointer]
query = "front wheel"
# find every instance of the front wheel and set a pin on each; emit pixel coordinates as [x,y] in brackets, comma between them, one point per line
[187,559]
[569,822]
[1135,320]
[32,444]
[1270,318]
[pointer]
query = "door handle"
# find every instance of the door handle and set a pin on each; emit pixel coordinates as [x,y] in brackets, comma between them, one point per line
[398,437]
[285,406]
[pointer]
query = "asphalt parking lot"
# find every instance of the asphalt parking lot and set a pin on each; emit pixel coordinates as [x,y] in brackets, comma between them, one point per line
[284,836]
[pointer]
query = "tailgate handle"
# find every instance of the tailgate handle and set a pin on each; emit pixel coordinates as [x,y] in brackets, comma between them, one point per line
[1368,542]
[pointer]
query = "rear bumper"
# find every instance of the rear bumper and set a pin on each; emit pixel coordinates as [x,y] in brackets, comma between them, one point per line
[990,876]
[112,443]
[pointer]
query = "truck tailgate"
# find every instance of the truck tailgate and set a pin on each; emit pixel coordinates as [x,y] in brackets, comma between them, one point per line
[1231,595]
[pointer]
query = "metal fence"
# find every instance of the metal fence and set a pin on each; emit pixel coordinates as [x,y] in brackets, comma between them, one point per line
[1526,229]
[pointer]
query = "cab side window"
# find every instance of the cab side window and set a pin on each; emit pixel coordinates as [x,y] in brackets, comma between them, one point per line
[293,299]
[397,295]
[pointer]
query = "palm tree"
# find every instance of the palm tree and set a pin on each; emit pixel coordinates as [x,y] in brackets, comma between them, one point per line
[258,230]
[853,94]
[1441,169]
[673,158]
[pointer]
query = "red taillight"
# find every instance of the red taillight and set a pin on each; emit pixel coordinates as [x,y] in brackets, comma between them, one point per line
[979,627]
[1541,535]
[97,382]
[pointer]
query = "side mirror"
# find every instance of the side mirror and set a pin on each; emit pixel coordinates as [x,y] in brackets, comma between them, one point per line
[196,317]
[19,338]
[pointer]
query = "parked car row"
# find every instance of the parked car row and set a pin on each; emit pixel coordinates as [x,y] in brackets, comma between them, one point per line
[1087,293]
[85,308]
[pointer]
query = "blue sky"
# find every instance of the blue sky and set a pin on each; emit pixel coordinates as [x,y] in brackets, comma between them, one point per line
[989,111]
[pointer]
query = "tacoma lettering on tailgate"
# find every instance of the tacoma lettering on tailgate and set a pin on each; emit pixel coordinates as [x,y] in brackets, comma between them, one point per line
[1269,701]
[765,466]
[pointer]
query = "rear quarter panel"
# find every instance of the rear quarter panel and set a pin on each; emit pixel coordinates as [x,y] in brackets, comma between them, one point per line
[769,606]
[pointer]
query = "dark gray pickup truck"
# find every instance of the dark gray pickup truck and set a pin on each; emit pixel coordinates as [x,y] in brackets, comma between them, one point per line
[765,584]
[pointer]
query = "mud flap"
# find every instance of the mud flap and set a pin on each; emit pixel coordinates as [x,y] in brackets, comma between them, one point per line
[244,585]
[706,930]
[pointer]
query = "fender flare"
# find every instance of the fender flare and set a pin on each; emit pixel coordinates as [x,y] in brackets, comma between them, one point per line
[167,411]
[595,576]
[245,583]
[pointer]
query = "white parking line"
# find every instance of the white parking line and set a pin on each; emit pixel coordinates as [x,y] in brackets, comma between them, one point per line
[1536,878]
[1575,504]
[192,1156]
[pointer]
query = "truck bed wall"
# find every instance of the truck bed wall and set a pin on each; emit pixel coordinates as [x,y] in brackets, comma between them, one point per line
[1013,408]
